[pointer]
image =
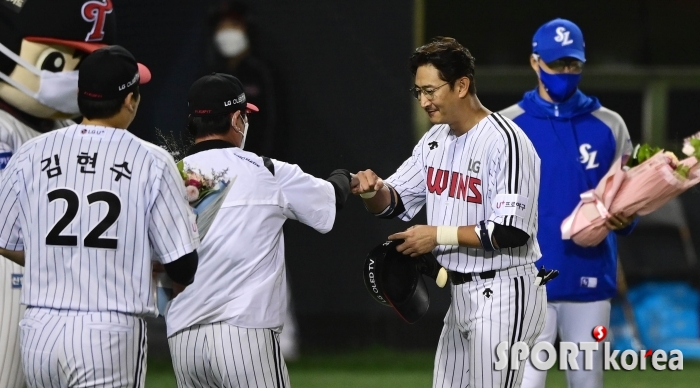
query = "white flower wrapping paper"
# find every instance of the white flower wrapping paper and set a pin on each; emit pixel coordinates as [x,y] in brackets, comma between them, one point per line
[205,208]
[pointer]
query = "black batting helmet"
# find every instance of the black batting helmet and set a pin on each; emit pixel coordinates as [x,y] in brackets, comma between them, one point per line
[396,280]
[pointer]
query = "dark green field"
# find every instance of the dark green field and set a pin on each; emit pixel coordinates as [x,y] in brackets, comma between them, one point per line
[380,368]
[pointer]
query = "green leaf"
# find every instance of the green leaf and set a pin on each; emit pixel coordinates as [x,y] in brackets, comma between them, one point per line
[696,147]
[181,169]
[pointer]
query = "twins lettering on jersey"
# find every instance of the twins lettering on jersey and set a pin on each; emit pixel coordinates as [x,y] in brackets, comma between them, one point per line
[439,180]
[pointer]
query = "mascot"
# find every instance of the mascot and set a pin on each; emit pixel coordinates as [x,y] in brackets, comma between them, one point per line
[41,45]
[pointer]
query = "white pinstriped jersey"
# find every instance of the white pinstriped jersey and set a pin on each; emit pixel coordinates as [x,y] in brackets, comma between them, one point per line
[489,173]
[13,133]
[241,275]
[86,204]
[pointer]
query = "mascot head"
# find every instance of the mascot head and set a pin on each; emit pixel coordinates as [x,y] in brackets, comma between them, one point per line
[41,45]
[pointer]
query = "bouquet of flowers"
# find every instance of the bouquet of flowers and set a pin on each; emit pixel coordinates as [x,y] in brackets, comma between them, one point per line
[205,194]
[651,178]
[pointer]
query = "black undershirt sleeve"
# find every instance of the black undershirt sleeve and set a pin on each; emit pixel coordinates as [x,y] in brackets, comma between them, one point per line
[340,179]
[183,269]
[509,236]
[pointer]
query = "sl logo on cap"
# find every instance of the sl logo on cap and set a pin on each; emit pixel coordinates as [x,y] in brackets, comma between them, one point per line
[563,36]
[96,12]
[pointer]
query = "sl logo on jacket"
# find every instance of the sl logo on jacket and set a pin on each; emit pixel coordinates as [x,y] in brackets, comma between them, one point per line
[588,156]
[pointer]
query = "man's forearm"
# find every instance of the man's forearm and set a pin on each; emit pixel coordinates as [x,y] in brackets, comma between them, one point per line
[16,256]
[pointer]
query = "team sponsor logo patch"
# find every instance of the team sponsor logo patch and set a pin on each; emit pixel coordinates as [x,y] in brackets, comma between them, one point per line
[589,282]
[4,159]
[17,280]
[510,205]
[92,132]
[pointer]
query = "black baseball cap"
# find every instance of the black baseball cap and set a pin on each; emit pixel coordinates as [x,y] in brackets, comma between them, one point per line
[217,93]
[109,73]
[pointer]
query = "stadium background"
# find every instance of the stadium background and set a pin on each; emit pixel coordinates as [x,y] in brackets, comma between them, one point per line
[341,72]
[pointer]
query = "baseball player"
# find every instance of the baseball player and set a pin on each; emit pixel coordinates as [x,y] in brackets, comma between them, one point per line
[478,174]
[578,140]
[41,44]
[87,204]
[223,330]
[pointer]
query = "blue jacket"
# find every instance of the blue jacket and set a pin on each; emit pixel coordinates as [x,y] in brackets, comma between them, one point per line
[577,141]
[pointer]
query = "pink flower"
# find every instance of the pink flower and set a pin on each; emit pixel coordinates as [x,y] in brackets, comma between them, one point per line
[192,193]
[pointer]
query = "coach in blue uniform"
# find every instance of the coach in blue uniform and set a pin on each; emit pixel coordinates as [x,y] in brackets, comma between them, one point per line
[577,140]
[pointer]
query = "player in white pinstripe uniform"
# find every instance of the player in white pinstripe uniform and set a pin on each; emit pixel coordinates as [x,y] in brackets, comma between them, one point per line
[41,43]
[86,204]
[478,175]
[223,330]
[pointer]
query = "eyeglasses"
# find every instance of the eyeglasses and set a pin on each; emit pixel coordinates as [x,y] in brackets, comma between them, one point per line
[559,65]
[429,92]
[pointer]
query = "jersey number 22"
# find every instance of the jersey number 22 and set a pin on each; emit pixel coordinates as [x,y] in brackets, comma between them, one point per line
[93,239]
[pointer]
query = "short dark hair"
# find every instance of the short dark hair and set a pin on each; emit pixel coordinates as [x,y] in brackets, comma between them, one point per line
[218,124]
[452,60]
[95,109]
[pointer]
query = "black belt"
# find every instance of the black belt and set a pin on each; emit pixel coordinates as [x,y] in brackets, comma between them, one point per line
[460,278]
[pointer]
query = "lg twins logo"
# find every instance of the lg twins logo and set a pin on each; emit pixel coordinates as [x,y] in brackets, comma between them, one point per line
[96,12]
[563,36]
[464,187]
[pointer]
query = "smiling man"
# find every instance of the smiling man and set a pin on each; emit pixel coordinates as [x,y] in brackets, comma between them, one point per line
[478,174]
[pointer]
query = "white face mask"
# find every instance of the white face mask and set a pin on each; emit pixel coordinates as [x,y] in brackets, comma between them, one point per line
[58,91]
[231,42]
[244,133]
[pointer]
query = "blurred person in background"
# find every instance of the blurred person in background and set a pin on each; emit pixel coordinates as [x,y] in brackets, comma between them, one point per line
[231,53]
[577,140]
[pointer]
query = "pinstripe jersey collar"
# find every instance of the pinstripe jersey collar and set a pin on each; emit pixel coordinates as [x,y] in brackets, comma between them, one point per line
[209,145]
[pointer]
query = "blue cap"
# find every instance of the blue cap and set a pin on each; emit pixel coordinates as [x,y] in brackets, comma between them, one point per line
[559,38]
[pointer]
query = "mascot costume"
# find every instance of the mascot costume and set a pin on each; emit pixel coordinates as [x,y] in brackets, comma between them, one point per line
[41,45]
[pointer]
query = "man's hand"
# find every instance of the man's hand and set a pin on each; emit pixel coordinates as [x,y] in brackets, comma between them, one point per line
[418,240]
[619,221]
[365,182]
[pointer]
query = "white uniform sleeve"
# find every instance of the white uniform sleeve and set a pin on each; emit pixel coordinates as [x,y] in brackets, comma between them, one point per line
[409,182]
[517,180]
[310,200]
[10,231]
[173,228]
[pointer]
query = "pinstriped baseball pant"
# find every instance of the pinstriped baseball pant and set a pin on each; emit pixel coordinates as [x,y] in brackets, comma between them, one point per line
[227,356]
[78,349]
[484,313]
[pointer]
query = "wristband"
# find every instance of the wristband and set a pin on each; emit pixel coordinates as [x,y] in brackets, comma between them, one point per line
[368,195]
[485,232]
[447,235]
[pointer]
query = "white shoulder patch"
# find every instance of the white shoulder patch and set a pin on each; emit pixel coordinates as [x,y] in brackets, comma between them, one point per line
[510,205]
[512,111]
